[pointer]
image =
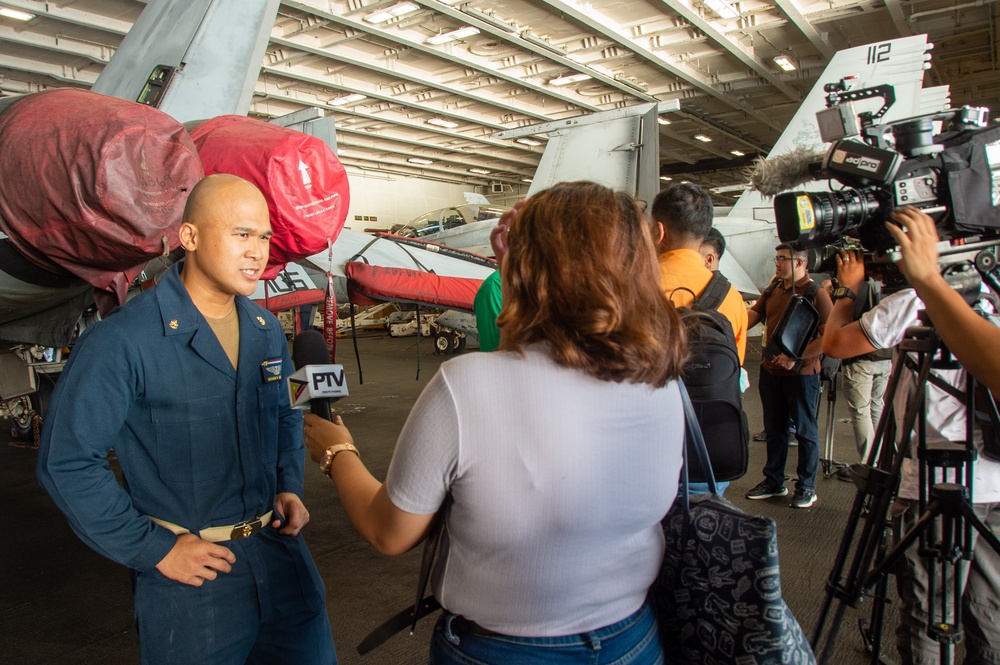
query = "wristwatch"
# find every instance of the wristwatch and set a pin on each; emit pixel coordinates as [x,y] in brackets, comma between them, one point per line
[844,292]
[331,452]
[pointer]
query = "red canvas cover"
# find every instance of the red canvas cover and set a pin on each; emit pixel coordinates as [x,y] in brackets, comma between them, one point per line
[303,181]
[91,185]
[368,284]
[282,301]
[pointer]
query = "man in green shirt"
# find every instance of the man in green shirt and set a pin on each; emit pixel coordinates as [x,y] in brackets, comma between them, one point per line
[489,298]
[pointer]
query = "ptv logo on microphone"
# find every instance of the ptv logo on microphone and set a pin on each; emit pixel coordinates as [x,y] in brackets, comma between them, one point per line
[316,382]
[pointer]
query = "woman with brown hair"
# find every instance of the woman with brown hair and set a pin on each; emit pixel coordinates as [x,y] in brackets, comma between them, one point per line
[561,450]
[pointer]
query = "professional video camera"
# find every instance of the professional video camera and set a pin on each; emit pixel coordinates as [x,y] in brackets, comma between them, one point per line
[953,176]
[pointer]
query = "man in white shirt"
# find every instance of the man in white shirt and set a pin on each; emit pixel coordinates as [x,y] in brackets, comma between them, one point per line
[882,328]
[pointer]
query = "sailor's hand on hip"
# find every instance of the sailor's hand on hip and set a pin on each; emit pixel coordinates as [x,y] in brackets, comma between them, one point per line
[294,512]
[193,560]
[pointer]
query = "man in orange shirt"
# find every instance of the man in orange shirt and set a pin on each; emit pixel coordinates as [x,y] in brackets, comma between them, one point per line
[682,217]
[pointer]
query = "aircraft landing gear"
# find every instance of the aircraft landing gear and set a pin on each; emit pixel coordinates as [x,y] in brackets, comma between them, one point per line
[448,342]
[22,418]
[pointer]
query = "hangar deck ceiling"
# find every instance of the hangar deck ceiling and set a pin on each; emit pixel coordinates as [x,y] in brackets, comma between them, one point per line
[418,87]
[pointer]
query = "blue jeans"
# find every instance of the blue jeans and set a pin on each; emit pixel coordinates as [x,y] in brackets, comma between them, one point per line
[702,488]
[795,397]
[634,640]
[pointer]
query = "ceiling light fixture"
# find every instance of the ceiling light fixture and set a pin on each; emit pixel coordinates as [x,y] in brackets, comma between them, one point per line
[346,99]
[460,33]
[528,141]
[419,160]
[441,122]
[702,138]
[722,8]
[525,179]
[663,121]
[785,63]
[666,178]
[14,14]
[479,171]
[571,78]
[389,13]
[738,153]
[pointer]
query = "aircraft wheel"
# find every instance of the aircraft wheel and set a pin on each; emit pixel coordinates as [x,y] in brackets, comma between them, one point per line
[459,343]
[444,342]
[22,418]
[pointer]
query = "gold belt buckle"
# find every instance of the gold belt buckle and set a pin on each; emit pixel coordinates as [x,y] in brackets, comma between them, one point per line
[245,529]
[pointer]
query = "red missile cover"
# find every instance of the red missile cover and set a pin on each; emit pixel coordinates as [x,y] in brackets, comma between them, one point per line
[368,284]
[303,181]
[93,186]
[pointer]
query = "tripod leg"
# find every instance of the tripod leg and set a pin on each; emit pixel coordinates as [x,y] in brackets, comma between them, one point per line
[873,634]
[829,464]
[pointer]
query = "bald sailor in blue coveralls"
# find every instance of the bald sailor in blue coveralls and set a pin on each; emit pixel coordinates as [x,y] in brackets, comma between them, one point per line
[186,384]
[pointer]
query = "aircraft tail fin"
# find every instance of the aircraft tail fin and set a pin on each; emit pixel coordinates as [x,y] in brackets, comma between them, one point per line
[897,62]
[193,60]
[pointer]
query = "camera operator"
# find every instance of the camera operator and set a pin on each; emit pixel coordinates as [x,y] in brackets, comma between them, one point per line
[882,328]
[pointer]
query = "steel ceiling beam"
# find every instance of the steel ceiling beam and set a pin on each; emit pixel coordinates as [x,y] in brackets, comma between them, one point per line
[686,11]
[63,73]
[406,73]
[791,10]
[898,18]
[56,11]
[546,53]
[269,89]
[478,64]
[58,44]
[681,71]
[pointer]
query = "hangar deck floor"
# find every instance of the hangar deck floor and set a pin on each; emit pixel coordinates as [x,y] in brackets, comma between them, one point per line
[62,603]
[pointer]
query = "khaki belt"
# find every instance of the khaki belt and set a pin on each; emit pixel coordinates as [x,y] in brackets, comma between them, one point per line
[218,534]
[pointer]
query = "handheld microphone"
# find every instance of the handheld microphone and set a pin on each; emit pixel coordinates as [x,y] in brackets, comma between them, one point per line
[779,174]
[316,380]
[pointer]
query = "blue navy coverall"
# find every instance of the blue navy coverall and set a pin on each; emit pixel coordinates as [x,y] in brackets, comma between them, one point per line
[200,444]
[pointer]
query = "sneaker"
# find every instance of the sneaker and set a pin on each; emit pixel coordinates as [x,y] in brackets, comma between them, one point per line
[803,499]
[760,436]
[766,489]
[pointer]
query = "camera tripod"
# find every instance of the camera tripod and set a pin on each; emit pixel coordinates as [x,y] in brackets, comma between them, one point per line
[826,460]
[946,505]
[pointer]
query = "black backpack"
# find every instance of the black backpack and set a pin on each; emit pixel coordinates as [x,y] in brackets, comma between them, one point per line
[712,377]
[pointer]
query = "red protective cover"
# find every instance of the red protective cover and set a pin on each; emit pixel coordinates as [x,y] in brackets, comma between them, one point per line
[303,181]
[368,284]
[91,185]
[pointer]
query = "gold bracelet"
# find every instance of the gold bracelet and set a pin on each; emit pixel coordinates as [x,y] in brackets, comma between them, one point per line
[327,464]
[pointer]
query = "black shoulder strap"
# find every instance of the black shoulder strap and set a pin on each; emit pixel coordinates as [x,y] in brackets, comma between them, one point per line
[423,605]
[714,293]
[769,289]
[811,291]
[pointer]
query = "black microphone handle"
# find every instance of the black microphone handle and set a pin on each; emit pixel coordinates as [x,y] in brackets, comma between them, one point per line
[321,407]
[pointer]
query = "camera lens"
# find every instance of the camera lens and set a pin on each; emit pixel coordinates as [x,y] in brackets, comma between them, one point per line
[809,219]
